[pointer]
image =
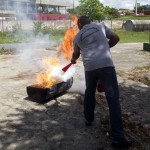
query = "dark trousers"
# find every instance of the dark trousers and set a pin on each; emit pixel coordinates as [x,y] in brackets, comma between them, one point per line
[108,78]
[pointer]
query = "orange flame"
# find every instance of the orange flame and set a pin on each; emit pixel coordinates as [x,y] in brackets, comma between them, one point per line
[49,61]
[74,20]
[66,48]
[44,79]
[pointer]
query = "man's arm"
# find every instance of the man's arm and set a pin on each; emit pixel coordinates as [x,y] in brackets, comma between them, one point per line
[113,40]
[113,37]
[75,55]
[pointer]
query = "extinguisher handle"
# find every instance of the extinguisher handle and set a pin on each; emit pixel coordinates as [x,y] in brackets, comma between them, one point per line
[64,69]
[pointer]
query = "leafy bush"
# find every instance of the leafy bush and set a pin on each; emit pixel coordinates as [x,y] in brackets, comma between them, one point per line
[40,28]
[92,9]
[4,51]
[17,29]
[37,27]
[54,32]
[54,12]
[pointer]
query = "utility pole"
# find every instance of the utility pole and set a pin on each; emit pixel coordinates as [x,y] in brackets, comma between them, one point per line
[73,4]
[40,11]
[2,22]
[135,7]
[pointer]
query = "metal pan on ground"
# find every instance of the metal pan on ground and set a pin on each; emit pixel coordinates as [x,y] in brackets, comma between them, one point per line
[43,95]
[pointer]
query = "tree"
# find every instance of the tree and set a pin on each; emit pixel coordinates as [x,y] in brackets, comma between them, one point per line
[112,12]
[92,9]
[74,11]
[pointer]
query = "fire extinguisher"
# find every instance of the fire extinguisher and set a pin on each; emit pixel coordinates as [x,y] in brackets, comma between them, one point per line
[100,87]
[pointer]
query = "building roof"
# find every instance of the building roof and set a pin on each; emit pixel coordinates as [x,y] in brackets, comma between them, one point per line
[64,3]
[146,6]
[54,2]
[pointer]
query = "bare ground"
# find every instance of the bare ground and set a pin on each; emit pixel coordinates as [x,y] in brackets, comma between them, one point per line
[59,125]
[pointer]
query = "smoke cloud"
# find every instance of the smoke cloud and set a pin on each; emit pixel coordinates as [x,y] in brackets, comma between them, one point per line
[60,76]
[31,54]
[79,80]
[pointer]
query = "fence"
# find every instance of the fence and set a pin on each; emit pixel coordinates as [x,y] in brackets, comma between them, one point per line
[6,26]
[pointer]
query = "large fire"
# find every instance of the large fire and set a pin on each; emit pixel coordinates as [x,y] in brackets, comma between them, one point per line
[49,76]
[65,49]
[45,78]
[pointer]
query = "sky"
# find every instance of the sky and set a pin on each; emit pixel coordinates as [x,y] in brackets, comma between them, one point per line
[129,4]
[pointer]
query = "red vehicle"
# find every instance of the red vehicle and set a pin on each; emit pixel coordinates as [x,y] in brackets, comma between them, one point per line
[38,16]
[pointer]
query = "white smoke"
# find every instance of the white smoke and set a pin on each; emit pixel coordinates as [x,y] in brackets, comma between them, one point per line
[31,54]
[69,73]
[60,75]
[76,71]
[78,86]
[78,81]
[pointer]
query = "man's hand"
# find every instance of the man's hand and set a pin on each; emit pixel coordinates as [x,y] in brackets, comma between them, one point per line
[73,61]
[114,39]
[75,56]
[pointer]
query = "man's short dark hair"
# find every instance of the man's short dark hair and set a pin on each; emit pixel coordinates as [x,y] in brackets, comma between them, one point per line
[83,20]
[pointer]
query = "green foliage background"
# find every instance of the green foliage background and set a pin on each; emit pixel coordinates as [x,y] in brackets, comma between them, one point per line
[92,9]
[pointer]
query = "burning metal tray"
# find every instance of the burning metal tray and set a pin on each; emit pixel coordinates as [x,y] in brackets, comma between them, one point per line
[41,95]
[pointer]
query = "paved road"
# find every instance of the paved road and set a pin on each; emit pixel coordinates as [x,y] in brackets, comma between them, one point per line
[128,56]
[56,125]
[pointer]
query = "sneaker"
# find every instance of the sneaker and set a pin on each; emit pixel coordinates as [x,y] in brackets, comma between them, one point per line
[87,123]
[122,144]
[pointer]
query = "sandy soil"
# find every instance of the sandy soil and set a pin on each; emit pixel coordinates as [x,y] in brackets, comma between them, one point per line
[59,125]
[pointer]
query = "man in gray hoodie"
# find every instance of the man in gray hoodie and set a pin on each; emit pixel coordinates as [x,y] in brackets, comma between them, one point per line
[94,41]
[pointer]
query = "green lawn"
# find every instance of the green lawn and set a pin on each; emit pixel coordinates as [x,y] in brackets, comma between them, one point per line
[4,51]
[11,38]
[55,35]
[132,37]
[5,38]
[125,37]
[146,17]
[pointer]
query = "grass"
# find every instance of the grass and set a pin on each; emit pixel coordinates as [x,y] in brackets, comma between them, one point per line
[58,34]
[139,74]
[12,38]
[144,68]
[124,18]
[131,36]
[142,78]
[4,51]
[54,34]
[145,53]
[5,38]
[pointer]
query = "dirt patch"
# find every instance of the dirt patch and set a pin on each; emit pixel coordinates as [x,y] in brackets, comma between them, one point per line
[139,74]
[4,51]
[145,53]
[60,125]
[136,128]
[24,76]
[52,48]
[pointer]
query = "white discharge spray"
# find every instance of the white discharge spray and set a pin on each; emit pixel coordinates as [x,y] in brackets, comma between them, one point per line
[60,75]
[79,80]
